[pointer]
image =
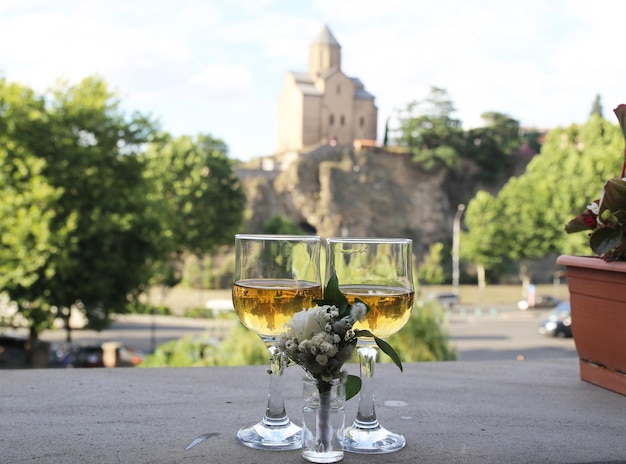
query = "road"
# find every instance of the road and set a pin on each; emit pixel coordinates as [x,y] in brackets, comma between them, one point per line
[494,333]
[504,333]
[143,332]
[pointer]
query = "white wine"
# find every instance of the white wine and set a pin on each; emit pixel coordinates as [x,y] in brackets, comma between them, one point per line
[390,307]
[265,305]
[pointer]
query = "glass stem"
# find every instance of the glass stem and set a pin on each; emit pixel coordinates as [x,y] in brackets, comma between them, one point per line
[366,415]
[275,414]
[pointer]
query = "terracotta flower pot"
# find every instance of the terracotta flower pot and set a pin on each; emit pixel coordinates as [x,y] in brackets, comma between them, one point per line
[598,304]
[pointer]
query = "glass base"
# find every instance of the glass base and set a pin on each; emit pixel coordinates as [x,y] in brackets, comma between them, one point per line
[374,440]
[322,457]
[273,438]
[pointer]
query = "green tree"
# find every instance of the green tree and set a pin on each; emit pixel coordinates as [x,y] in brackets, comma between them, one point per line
[532,209]
[578,160]
[431,270]
[200,198]
[280,225]
[103,228]
[559,183]
[596,107]
[428,129]
[490,146]
[531,139]
[482,244]
[28,237]
[96,158]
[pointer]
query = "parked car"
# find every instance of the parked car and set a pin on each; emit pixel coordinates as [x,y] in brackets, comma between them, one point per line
[62,355]
[541,301]
[65,355]
[130,357]
[559,322]
[12,351]
[89,356]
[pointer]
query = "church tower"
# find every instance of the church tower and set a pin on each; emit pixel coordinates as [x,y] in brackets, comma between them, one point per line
[324,53]
[324,105]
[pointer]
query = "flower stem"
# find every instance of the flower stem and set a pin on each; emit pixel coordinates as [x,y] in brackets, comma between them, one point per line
[323,427]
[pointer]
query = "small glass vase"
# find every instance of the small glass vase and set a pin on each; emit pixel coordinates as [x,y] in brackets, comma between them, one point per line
[323,420]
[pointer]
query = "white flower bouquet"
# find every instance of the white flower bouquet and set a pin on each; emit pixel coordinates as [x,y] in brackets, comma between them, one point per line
[321,339]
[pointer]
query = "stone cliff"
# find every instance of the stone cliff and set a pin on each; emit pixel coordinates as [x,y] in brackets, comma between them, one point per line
[332,191]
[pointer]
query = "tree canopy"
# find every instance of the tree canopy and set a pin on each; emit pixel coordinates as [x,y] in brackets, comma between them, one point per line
[428,129]
[95,200]
[526,219]
[92,203]
[491,145]
[199,197]
[31,235]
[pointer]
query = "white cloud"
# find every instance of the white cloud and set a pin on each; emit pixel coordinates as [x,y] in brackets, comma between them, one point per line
[226,85]
[217,67]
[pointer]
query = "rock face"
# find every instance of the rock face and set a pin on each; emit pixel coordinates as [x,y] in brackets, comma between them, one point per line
[371,193]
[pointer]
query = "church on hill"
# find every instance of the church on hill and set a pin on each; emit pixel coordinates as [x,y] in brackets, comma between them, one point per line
[324,105]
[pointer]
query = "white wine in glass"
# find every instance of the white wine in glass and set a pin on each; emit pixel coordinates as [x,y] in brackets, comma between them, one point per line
[379,272]
[275,277]
[265,305]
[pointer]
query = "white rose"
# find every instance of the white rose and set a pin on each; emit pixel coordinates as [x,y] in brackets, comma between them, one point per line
[306,323]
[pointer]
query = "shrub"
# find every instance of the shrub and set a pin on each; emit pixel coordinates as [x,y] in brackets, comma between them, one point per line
[241,347]
[142,308]
[422,339]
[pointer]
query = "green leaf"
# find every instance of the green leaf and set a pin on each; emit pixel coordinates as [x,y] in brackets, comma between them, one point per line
[353,386]
[389,351]
[605,240]
[614,197]
[383,345]
[333,296]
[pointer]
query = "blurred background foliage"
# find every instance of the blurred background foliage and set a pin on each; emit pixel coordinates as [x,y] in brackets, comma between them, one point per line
[423,338]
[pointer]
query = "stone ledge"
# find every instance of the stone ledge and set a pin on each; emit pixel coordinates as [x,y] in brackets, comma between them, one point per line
[479,412]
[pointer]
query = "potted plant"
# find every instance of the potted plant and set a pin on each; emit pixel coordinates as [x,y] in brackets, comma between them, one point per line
[597,284]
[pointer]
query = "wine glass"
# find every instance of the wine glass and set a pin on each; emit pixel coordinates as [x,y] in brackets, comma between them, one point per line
[379,272]
[275,277]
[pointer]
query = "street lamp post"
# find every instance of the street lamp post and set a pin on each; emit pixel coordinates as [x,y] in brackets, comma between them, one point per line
[456,231]
[153,312]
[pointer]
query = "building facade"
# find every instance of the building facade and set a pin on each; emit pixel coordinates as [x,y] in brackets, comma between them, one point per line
[324,105]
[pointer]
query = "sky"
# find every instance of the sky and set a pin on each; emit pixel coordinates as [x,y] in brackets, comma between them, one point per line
[217,66]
